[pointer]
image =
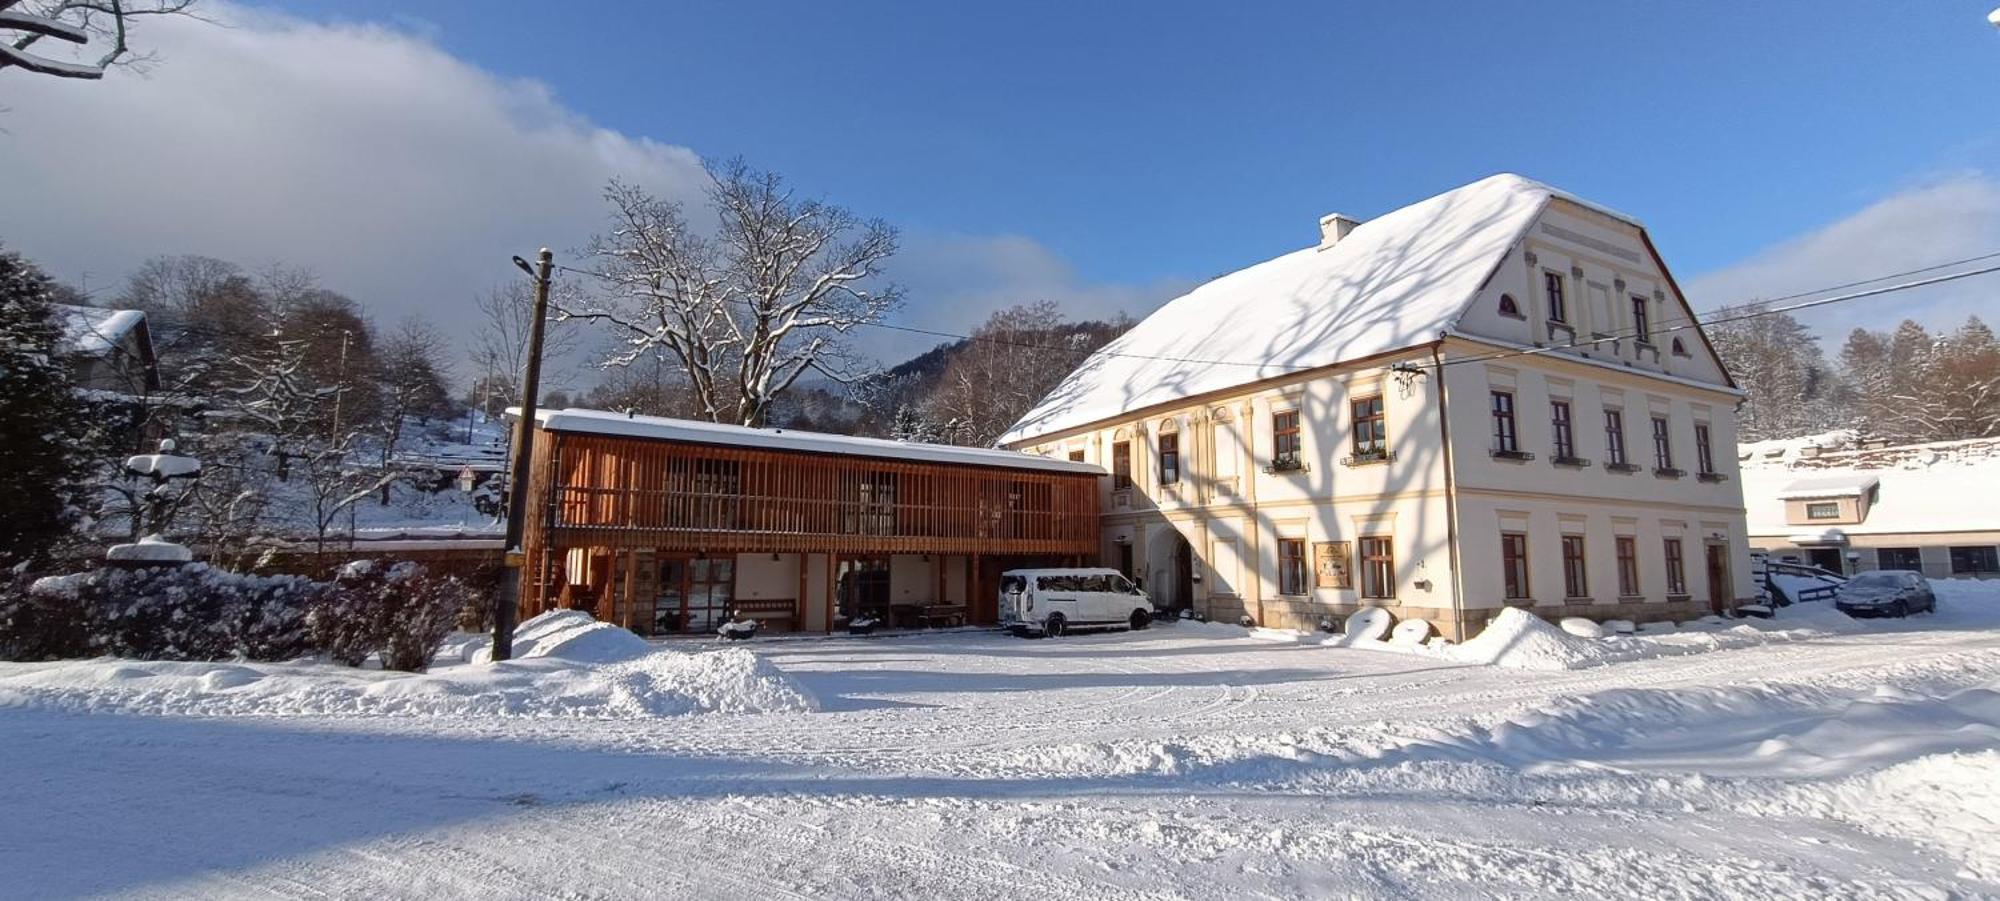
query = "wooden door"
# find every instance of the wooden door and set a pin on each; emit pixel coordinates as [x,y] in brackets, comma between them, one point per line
[1719,592]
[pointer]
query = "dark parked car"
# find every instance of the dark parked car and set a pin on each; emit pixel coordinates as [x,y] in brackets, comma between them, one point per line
[1886,592]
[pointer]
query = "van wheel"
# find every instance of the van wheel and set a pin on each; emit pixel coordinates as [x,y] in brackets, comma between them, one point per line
[1053,627]
[1140,620]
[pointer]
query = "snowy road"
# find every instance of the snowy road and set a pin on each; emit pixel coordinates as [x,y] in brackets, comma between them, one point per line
[1177,762]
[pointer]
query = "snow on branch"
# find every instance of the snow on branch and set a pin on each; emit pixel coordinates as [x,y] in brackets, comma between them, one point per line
[748,310]
[76,22]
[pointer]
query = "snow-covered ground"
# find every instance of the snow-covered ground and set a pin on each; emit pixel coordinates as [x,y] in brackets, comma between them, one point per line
[1806,757]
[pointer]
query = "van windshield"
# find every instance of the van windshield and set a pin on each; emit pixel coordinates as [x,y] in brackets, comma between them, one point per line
[1013,584]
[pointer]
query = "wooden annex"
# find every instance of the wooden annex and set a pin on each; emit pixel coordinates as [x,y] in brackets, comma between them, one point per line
[668,526]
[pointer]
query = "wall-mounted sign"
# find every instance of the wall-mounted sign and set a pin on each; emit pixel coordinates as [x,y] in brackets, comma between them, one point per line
[1330,564]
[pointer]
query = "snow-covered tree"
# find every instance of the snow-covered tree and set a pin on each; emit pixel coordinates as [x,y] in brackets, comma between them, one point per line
[748,306]
[411,387]
[1775,359]
[103,26]
[284,405]
[1913,385]
[44,427]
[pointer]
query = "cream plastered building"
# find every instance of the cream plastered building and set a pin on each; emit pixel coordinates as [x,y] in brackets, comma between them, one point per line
[1494,397]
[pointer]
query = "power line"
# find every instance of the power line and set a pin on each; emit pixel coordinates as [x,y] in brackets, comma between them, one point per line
[1751,314]
[1025,345]
[1594,340]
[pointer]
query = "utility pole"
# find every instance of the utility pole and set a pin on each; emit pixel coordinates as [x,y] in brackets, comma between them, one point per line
[508,602]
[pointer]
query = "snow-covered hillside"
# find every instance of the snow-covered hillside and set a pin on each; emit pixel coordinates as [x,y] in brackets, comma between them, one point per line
[1807,757]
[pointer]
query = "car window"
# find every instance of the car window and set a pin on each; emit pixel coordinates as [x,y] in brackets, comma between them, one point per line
[1125,585]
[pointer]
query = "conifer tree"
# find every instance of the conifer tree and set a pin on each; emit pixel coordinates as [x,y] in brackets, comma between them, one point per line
[44,426]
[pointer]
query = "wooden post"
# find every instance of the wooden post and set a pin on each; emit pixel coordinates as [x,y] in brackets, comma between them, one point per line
[506,604]
[631,586]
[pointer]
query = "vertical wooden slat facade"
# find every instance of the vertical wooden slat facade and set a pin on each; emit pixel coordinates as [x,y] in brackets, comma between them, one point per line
[617,499]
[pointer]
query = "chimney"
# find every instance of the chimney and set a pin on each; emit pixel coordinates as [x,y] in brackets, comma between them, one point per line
[1333,227]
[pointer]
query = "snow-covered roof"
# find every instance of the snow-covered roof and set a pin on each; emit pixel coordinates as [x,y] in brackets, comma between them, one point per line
[1845,484]
[601,422]
[94,331]
[1930,493]
[1396,281]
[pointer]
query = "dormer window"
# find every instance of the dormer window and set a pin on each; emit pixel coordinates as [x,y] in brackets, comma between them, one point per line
[1509,308]
[1680,349]
[1823,510]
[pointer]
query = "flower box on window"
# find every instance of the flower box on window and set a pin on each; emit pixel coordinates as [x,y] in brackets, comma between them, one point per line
[1363,458]
[1287,464]
[1574,462]
[1515,455]
[1712,477]
[1668,472]
[1622,467]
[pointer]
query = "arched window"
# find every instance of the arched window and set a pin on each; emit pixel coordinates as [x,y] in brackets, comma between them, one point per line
[1509,308]
[1680,349]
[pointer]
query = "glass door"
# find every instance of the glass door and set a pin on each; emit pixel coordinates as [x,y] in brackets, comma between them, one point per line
[670,604]
[711,591]
[862,586]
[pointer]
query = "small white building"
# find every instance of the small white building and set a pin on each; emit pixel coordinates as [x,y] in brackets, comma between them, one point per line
[1833,502]
[1494,397]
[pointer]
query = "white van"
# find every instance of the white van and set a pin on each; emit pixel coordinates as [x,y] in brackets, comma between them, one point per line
[1053,601]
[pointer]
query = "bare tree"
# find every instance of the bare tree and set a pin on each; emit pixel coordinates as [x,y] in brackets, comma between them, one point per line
[288,408]
[749,309]
[411,386]
[500,342]
[77,22]
[1010,363]
[175,285]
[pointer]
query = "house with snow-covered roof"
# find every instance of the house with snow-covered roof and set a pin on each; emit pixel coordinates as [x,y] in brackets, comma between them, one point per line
[1493,397]
[1849,506]
[671,526]
[112,349]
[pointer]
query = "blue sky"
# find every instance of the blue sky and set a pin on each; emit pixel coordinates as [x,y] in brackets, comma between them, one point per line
[1103,155]
[1142,140]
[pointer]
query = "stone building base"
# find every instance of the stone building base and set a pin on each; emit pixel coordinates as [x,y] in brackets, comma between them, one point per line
[1287,613]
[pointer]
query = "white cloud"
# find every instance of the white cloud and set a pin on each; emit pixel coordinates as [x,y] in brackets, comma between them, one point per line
[403,176]
[1935,222]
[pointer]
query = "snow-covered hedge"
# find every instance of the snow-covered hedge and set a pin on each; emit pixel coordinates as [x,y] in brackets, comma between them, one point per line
[193,612]
[401,612]
[197,612]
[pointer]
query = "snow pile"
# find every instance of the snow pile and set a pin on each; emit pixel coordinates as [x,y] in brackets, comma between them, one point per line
[663,683]
[1521,640]
[571,635]
[1948,801]
[1581,628]
[566,665]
